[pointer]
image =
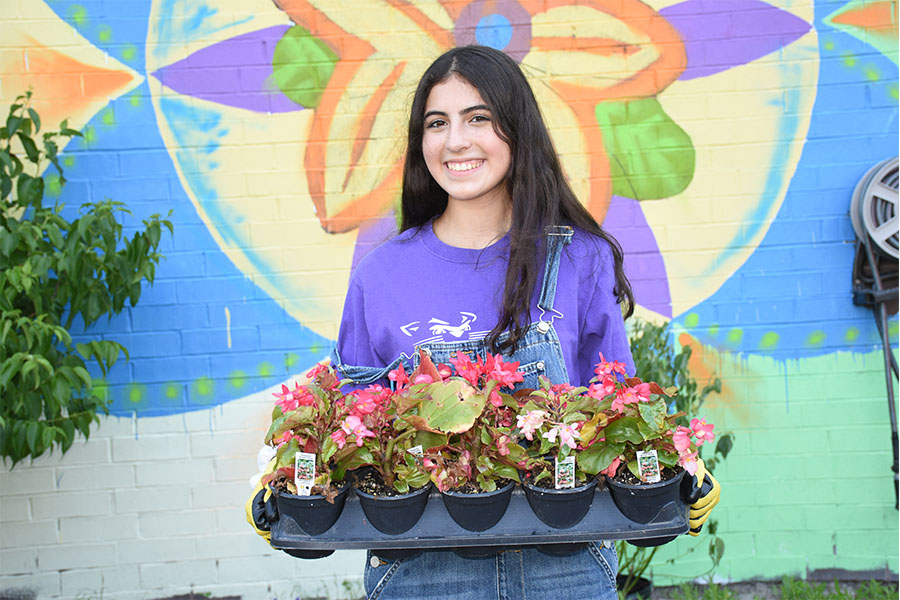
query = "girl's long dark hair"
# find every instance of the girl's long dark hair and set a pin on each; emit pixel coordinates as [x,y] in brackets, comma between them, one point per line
[540,194]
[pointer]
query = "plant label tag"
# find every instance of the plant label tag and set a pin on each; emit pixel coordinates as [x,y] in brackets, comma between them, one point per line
[648,466]
[304,472]
[564,476]
[416,451]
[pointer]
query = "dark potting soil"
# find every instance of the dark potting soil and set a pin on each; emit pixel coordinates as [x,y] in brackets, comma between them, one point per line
[472,488]
[370,482]
[547,482]
[626,476]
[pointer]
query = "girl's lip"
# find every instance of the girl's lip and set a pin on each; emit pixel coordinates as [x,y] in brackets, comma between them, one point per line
[479,161]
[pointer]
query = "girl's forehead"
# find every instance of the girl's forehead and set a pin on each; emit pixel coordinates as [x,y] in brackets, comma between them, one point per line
[453,94]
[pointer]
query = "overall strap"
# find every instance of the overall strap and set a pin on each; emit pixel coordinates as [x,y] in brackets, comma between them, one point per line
[558,237]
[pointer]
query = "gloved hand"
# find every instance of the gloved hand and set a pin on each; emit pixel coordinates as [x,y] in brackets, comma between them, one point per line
[703,496]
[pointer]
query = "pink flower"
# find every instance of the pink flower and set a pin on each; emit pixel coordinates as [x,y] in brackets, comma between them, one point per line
[284,438]
[600,391]
[317,370]
[702,431]
[610,471]
[365,403]
[562,388]
[495,399]
[505,374]
[465,368]
[568,434]
[689,462]
[399,376]
[289,399]
[353,425]
[550,436]
[605,369]
[423,378]
[631,395]
[530,422]
[682,438]
[444,371]
[340,438]
[503,445]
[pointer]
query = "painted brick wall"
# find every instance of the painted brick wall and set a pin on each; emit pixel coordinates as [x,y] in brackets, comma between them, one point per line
[722,154]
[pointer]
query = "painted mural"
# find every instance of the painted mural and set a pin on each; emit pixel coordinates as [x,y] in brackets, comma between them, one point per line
[696,131]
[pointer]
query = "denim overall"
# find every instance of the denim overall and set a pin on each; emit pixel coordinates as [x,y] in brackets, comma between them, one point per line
[504,573]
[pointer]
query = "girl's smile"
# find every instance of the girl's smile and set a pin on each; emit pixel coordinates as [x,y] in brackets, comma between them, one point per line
[462,150]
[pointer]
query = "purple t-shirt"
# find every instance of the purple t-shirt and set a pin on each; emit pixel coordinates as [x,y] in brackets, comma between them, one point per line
[415,289]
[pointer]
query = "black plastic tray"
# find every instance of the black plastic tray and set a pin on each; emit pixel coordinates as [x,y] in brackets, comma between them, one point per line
[519,526]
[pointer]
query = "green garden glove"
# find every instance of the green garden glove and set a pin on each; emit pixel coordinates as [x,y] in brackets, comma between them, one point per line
[709,497]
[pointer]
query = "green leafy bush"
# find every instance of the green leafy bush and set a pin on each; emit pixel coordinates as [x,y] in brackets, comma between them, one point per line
[53,273]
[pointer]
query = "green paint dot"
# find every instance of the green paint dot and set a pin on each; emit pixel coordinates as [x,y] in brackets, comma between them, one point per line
[129,52]
[109,117]
[892,91]
[713,330]
[872,74]
[852,334]
[265,369]
[893,329]
[68,161]
[134,100]
[78,14]
[769,340]
[136,393]
[848,58]
[53,185]
[90,135]
[816,338]
[203,387]
[172,391]
[735,335]
[237,379]
[291,359]
[105,34]
[691,320]
[828,45]
[315,349]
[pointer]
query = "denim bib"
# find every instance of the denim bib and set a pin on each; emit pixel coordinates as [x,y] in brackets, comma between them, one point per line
[538,353]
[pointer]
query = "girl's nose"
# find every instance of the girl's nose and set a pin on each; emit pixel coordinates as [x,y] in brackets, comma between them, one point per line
[457,139]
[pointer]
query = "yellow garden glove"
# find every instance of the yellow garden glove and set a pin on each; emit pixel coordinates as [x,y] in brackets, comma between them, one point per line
[709,497]
[260,507]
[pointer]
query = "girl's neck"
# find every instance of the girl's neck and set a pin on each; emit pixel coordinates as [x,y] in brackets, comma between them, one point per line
[472,225]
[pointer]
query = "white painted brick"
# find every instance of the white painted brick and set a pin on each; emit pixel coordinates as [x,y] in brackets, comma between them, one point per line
[87,582]
[45,585]
[82,452]
[220,494]
[174,472]
[151,498]
[230,443]
[98,529]
[14,508]
[235,468]
[246,569]
[245,417]
[342,563]
[71,504]
[156,551]
[30,534]
[184,423]
[232,545]
[76,556]
[94,478]
[18,562]
[231,520]
[147,447]
[169,574]
[180,523]
[25,480]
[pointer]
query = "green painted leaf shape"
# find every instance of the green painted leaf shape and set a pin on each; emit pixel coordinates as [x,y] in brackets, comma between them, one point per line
[302,66]
[650,156]
[452,407]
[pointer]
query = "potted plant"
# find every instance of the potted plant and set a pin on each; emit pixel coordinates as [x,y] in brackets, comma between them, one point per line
[473,460]
[552,418]
[390,481]
[308,477]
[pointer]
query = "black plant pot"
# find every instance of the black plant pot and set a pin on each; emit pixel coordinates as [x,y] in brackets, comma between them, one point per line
[560,508]
[641,503]
[641,590]
[314,514]
[394,514]
[477,512]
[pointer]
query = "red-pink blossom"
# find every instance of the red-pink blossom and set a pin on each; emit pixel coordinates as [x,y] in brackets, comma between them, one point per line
[702,431]
[503,445]
[530,422]
[340,438]
[399,376]
[568,434]
[610,471]
[465,368]
[444,371]
[689,462]
[353,425]
[423,378]
[681,438]
[495,398]
[505,374]
[605,369]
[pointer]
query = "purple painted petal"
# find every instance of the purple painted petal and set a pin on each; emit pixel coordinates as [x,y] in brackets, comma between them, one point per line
[235,72]
[643,262]
[719,35]
[372,233]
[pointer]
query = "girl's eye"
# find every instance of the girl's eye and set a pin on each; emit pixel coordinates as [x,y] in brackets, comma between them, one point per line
[480,118]
[434,124]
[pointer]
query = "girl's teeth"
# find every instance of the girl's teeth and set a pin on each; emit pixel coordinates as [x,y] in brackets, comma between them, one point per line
[467,166]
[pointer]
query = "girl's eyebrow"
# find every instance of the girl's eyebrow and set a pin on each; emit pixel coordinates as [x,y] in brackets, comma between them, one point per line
[462,112]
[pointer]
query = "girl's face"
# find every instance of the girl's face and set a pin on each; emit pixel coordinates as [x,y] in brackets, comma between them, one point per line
[462,151]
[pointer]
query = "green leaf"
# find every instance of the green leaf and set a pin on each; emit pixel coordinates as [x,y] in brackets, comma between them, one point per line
[30,148]
[650,156]
[35,119]
[452,407]
[30,190]
[599,456]
[32,435]
[623,430]
[654,414]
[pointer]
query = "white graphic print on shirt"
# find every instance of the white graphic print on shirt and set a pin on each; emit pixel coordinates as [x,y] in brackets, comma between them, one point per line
[442,330]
